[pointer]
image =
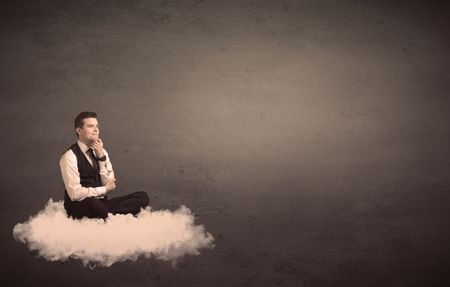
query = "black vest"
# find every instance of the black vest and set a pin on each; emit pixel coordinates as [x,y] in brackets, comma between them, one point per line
[89,175]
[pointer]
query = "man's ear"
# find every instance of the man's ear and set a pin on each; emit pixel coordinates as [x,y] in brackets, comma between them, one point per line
[78,130]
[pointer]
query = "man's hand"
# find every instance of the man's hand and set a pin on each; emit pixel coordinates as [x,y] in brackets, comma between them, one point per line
[110,185]
[97,145]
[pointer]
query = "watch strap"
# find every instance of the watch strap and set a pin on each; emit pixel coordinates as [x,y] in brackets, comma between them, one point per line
[103,158]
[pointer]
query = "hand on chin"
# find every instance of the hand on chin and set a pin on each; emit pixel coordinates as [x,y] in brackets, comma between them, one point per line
[92,141]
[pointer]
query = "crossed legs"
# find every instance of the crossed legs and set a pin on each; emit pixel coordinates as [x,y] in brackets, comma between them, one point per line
[92,207]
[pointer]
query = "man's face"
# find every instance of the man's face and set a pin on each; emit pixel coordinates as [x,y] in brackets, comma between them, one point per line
[90,130]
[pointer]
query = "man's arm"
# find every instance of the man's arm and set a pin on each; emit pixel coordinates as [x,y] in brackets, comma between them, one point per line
[106,170]
[71,178]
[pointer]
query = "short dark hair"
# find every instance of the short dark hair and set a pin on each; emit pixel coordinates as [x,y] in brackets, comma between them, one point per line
[79,120]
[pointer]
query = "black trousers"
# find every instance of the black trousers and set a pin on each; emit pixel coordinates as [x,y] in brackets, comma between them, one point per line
[93,207]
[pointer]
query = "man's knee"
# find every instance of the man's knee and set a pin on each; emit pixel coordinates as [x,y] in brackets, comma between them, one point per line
[144,198]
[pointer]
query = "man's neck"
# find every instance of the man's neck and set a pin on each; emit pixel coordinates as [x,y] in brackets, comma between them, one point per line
[85,142]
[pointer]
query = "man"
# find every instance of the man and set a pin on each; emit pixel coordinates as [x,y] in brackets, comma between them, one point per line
[88,176]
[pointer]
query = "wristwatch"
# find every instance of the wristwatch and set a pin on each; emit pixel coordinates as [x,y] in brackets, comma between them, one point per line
[103,158]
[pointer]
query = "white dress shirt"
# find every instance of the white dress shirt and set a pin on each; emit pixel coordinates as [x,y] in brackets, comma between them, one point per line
[71,176]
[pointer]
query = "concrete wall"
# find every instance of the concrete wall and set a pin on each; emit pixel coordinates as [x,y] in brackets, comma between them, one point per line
[311,138]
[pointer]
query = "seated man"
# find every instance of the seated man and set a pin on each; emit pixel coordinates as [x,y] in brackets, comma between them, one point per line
[88,176]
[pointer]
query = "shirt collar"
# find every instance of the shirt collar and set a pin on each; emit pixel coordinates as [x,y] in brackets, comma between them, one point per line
[82,146]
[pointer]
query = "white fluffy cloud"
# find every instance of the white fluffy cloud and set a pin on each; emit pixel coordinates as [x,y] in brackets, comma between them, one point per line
[163,234]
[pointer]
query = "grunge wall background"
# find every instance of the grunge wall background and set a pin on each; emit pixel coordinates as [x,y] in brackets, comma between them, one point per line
[311,138]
